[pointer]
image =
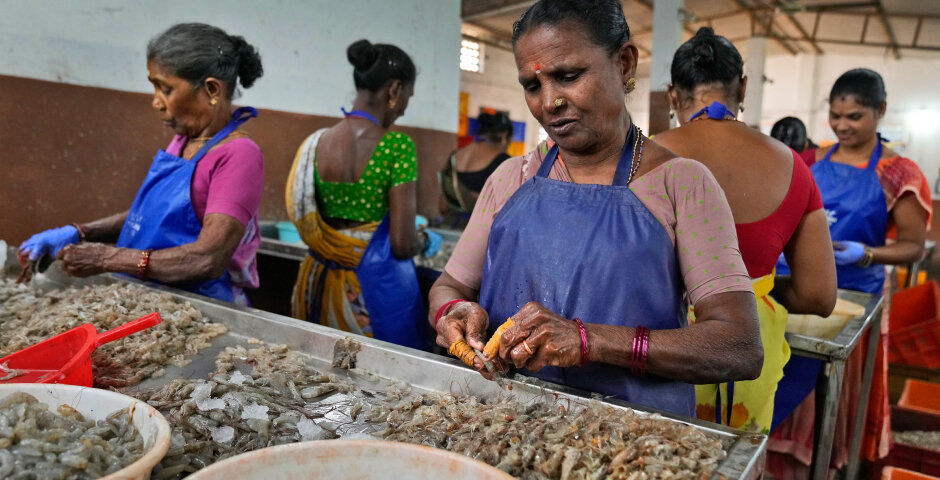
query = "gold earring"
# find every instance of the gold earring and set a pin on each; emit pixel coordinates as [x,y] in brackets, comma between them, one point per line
[213,101]
[559,101]
[672,113]
[391,103]
[629,85]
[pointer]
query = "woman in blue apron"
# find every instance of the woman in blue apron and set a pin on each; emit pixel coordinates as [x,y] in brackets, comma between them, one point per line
[595,244]
[870,194]
[193,223]
[351,194]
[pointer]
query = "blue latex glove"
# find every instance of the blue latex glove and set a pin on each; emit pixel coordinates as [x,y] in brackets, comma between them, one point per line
[421,221]
[847,252]
[433,244]
[50,241]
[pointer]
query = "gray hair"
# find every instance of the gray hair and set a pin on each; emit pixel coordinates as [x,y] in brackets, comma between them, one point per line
[196,51]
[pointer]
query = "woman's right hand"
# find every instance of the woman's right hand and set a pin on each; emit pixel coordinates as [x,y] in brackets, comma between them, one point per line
[468,321]
[50,241]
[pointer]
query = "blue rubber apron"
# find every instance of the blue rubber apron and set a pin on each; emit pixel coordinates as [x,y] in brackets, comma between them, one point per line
[855,205]
[594,252]
[162,214]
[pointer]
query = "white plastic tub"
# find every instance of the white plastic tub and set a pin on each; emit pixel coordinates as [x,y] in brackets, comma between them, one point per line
[97,404]
[825,327]
[350,459]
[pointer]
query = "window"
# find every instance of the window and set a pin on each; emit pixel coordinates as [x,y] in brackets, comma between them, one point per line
[471,56]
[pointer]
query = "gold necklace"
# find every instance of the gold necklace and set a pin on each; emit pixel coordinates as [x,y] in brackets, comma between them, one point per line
[638,143]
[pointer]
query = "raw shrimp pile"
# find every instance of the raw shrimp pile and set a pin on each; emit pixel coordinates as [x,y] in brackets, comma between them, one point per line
[918,438]
[549,441]
[38,443]
[28,316]
[281,400]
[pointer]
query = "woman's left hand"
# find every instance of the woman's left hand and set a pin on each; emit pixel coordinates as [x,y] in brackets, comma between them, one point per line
[84,259]
[540,338]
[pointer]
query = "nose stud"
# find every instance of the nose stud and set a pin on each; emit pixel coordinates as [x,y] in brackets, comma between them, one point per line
[559,101]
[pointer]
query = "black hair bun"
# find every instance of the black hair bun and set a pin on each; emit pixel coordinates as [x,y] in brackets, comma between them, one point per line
[704,31]
[362,54]
[249,61]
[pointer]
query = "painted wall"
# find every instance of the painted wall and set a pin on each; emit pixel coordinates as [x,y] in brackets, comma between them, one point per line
[79,133]
[303,44]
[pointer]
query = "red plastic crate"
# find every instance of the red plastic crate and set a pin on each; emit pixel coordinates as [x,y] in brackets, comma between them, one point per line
[892,473]
[921,396]
[906,456]
[914,334]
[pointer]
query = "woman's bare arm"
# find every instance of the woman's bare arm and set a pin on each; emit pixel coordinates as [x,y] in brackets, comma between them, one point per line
[811,286]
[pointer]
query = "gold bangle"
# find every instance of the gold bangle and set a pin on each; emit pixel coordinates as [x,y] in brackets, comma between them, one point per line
[82,236]
[867,258]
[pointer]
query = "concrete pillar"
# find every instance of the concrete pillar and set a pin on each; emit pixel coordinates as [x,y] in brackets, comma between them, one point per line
[754,69]
[667,36]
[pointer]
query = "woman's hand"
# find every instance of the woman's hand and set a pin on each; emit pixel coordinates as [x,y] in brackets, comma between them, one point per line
[84,259]
[541,338]
[468,321]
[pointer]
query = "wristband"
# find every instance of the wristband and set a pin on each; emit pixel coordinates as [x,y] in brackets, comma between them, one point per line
[81,232]
[585,349]
[641,340]
[443,309]
[143,264]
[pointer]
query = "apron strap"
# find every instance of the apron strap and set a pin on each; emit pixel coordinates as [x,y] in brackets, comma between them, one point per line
[361,114]
[240,116]
[872,160]
[715,111]
[623,164]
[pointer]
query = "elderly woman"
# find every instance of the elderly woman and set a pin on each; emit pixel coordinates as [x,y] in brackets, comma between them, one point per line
[352,188]
[776,208]
[193,223]
[592,245]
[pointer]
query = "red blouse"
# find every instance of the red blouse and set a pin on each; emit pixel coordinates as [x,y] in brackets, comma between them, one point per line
[761,242]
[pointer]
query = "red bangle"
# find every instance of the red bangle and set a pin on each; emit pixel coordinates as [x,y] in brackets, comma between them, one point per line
[641,341]
[585,349]
[143,264]
[440,311]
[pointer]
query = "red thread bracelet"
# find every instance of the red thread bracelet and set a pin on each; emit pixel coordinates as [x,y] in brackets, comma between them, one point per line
[440,311]
[585,349]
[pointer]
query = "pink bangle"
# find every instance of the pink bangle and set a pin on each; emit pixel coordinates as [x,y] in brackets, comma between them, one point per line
[440,311]
[641,341]
[585,349]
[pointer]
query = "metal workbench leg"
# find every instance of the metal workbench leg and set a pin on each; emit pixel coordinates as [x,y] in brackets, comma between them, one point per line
[874,333]
[835,372]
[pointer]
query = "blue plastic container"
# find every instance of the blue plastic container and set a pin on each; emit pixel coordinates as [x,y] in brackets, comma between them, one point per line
[287,232]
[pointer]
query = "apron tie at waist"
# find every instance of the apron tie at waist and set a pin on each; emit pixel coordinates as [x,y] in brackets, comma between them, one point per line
[330,264]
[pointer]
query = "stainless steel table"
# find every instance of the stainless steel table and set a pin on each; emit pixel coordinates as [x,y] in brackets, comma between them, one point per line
[422,370]
[834,353]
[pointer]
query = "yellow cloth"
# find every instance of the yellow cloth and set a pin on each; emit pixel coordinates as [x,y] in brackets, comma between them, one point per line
[322,289]
[753,403]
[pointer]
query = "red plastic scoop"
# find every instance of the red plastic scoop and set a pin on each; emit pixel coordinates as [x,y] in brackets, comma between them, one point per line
[66,358]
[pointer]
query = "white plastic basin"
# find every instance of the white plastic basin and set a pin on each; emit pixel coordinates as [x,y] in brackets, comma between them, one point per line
[350,459]
[97,404]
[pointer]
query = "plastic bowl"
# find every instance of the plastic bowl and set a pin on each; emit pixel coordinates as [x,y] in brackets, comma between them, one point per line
[287,232]
[350,459]
[97,404]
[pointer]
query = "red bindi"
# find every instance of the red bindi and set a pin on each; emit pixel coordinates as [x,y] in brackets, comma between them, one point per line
[538,68]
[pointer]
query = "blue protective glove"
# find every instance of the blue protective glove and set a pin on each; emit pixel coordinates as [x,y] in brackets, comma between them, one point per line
[421,221]
[50,241]
[848,252]
[433,244]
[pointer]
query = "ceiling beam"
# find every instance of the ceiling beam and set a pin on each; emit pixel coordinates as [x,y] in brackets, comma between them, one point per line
[887,26]
[648,4]
[488,36]
[802,30]
[768,25]
[928,48]
[504,6]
